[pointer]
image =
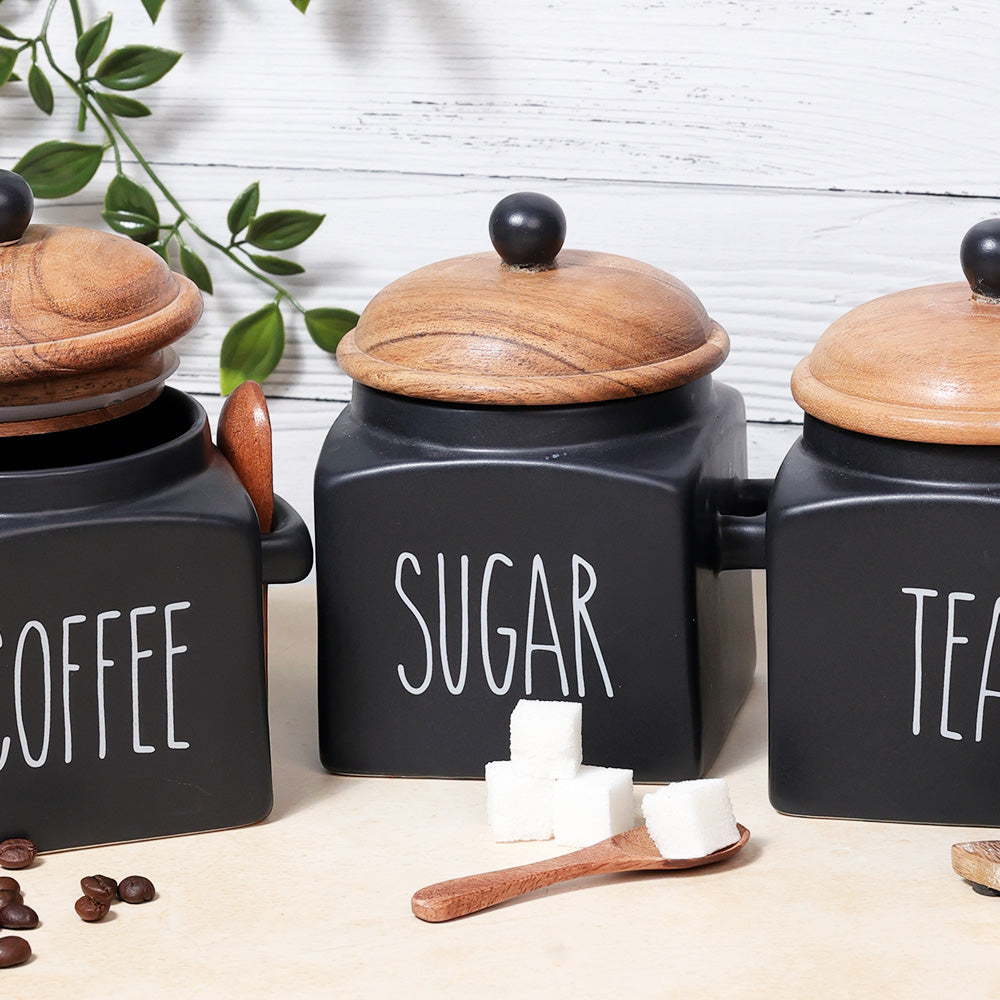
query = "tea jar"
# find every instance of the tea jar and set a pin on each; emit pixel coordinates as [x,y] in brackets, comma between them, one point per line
[883,561]
[524,499]
[132,684]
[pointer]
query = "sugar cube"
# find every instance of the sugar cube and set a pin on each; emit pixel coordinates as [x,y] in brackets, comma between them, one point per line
[690,819]
[546,738]
[594,804]
[517,808]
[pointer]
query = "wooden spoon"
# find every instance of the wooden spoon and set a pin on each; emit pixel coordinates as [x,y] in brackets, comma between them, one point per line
[244,437]
[632,851]
[979,862]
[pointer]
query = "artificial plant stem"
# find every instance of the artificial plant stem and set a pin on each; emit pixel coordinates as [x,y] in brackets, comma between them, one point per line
[77,19]
[81,121]
[226,251]
[81,92]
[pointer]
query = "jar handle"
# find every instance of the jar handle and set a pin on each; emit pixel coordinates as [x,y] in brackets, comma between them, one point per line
[740,541]
[286,552]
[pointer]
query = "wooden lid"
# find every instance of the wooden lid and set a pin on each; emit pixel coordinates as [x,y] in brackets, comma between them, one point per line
[532,328]
[84,315]
[918,365]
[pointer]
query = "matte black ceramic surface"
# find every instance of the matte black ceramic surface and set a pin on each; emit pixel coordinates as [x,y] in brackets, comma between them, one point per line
[498,553]
[883,606]
[132,691]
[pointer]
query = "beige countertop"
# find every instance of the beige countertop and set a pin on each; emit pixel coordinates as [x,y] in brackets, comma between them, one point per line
[314,902]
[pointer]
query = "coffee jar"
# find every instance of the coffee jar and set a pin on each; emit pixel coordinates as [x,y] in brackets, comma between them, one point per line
[132,682]
[540,492]
[883,561]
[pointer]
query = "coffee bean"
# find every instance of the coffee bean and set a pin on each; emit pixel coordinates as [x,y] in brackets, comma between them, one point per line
[8,896]
[17,853]
[18,917]
[6,882]
[13,951]
[91,909]
[103,888]
[136,889]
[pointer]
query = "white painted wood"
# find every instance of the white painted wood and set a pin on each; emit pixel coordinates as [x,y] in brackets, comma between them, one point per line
[852,94]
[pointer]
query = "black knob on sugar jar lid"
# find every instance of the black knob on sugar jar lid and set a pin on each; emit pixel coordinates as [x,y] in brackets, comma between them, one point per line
[980,256]
[527,229]
[16,205]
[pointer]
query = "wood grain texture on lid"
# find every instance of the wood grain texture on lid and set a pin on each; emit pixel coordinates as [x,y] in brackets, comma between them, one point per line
[919,365]
[591,327]
[75,300]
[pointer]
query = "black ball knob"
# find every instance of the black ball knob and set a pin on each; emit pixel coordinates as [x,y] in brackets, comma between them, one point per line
[16,205]
[527,229]
[980,255]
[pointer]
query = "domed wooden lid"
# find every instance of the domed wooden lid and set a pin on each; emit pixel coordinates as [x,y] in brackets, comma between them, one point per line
[85,321]
[532,328]
[918,365]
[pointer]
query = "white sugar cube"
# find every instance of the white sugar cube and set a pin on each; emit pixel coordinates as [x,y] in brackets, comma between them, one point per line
[517,808]
[546,738]
[690,819]
[594,804]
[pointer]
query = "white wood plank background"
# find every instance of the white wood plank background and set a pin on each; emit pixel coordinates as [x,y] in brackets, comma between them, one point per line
[787,159]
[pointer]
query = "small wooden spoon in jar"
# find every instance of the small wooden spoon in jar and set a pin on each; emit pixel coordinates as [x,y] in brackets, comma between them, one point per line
[244,437]
[632,851]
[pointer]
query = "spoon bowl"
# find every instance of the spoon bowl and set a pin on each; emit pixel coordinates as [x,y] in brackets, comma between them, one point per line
[632,851]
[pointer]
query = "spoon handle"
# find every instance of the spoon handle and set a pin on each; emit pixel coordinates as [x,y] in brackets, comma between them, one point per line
[459,896]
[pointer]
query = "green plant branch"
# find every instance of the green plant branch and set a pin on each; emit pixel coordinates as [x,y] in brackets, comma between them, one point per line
[254,344]
[114,131]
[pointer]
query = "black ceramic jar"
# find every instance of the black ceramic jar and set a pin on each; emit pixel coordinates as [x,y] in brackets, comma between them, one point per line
[526,488]
[883,562]
[132,681]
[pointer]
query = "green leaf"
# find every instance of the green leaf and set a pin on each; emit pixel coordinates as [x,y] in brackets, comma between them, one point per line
[153,8]
[13,78]
[40,89]
[91,43]
[328,326]
[135,226]
[282,230]
[125,195]
[7,33]
[301,5]
[243,208]
[123,107]
[252,348]
[276,265]
[194,267]
[8,57]
[55,169]
[135,66]
[159,247]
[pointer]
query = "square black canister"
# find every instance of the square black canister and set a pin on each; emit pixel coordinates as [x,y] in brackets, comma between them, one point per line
[523,500]
[883,561]
[133,553]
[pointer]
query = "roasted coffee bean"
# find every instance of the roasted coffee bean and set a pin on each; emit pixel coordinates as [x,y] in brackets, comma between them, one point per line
[6,882]
[103,888]
[13,951]
[18,917]
[17,853]
[91,909]
[8,896]
[136,889]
